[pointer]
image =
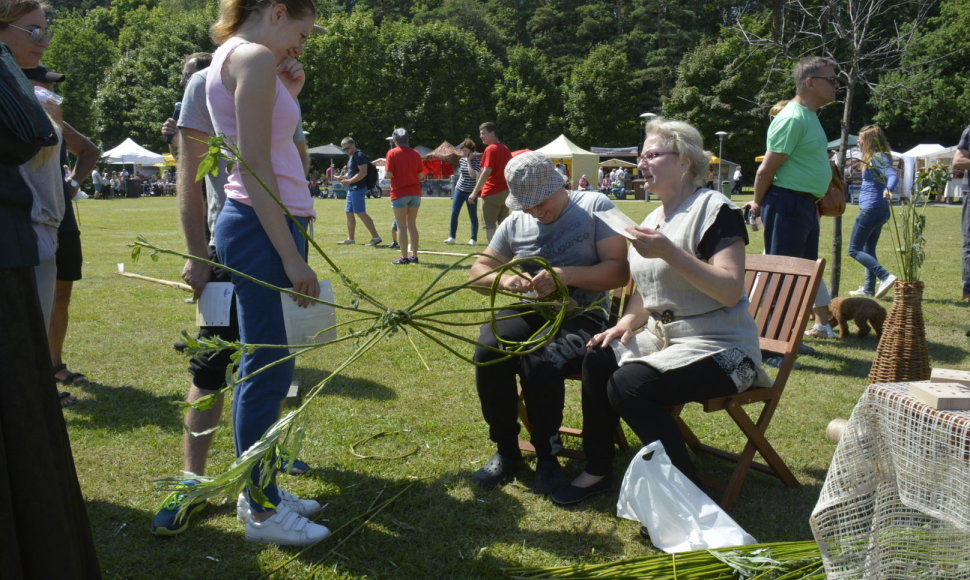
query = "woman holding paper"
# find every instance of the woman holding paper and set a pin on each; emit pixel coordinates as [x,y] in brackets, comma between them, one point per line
[251,93]
[686,333]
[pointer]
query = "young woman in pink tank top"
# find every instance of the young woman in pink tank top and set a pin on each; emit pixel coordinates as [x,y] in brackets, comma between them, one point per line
[251,92]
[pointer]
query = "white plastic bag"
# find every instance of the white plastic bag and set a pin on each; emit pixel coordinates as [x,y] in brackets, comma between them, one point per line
[679,516]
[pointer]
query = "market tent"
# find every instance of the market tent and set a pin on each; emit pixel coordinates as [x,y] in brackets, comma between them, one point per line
[131,152]
[579,160]
[444,151]
[615,151]
[853,141]
[923,150]
[617,163]
[326,152]
[422,150]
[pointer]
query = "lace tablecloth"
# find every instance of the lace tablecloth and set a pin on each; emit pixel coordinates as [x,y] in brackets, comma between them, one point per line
[896,500]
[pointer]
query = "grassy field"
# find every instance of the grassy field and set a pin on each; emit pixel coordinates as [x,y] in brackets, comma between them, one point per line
[126,429]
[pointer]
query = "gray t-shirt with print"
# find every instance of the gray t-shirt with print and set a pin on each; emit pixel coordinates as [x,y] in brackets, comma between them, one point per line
[569,241]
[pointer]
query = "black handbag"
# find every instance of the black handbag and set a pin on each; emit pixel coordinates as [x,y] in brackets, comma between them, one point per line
[24,126]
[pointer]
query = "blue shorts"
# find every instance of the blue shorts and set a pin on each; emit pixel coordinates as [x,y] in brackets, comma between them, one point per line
[406,202]
[356,200]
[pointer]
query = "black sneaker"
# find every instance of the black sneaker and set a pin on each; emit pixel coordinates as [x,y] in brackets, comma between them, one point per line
[498,470]
[549,476]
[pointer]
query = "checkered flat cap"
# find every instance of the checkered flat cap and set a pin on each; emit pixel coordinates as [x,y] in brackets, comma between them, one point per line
[532,178]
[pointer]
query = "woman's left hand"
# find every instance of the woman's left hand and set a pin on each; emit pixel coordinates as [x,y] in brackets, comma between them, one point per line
[292,74]
[650,243]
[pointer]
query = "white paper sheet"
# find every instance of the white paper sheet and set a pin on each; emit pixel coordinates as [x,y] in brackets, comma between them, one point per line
[618,221]
[214,306]
[303,324]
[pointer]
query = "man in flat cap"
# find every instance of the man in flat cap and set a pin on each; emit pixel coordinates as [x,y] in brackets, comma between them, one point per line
[548,222]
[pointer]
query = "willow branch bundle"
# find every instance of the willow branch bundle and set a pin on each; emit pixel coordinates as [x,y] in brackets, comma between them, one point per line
[367,321]
[776,561]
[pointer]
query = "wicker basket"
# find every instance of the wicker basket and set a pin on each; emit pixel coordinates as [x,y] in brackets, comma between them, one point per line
[901,354]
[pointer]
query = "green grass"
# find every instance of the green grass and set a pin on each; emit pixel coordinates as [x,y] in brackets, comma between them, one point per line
[126,429]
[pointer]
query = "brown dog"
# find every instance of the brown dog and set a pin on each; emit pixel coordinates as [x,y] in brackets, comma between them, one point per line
[864,311]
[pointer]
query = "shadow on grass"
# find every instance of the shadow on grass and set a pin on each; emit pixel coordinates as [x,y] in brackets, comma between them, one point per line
[122,408]
[341,386]
[429,532]
[351,388]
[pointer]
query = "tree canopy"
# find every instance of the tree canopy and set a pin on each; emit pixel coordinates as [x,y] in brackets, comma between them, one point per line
[587,68]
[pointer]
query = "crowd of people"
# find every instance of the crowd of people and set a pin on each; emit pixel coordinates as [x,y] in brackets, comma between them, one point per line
[684,335]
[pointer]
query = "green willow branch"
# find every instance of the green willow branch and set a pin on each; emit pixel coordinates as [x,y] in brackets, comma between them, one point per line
[430,314]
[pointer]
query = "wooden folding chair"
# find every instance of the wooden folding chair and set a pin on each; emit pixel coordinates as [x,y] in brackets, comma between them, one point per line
[781,291]
[617,304]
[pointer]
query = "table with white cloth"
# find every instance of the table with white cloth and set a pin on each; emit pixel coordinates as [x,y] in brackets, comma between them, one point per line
[896,500]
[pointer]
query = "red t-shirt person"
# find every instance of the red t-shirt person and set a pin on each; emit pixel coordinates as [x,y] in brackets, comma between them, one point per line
[496,156]
[406,168]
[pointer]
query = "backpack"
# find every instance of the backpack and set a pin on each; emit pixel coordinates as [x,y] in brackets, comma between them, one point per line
[370,180]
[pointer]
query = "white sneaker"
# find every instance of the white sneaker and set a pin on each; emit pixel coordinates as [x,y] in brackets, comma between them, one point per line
[286,528]
[450,241]
[375,241]
[820,332]
[885,285]
[303,507]
[472,242]
[860,292]
[347,242]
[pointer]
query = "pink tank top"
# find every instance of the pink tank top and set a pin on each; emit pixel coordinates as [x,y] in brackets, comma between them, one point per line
[287,165]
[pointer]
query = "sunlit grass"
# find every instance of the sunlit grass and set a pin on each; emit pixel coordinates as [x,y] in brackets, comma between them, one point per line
[126,430]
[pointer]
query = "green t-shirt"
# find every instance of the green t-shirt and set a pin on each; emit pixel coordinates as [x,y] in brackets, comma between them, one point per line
[797,133]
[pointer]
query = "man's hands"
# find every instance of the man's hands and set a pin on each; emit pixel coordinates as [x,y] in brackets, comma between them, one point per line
[754,207]
[542,284]
[196,274]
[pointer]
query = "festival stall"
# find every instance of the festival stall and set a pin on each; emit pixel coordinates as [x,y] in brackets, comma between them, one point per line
[577,160]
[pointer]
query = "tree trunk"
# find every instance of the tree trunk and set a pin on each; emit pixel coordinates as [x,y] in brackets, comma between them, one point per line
[836,272]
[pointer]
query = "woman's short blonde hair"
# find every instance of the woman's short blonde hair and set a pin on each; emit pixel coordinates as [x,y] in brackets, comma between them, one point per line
[683,139]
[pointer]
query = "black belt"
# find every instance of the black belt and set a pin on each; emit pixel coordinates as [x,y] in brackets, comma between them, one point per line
[806,195]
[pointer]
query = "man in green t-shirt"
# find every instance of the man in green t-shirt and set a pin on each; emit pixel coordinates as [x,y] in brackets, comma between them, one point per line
[795,173]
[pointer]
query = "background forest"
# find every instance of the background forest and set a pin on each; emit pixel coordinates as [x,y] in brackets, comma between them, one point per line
[586,68]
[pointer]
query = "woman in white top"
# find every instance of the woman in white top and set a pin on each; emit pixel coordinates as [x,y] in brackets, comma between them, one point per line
[686,333]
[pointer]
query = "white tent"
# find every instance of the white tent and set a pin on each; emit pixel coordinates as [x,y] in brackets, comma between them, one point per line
[131,152]
[923,150]
[579,160]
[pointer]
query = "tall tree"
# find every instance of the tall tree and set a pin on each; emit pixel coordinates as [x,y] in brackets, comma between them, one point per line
[728,85]
[529,105]
[139,91]
[86,56]
[930,99]
[600,100]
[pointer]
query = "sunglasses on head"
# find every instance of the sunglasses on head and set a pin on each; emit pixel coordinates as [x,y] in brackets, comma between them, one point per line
[37,34]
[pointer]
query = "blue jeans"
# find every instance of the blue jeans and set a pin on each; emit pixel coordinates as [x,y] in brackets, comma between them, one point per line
[242,244]
[862,244]
[458,199]
[791,224]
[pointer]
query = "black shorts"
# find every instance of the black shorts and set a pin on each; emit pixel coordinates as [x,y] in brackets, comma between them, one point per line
[68,257]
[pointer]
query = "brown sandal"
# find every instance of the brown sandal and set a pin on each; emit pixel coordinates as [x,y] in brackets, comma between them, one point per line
[67,399]
[72,378]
